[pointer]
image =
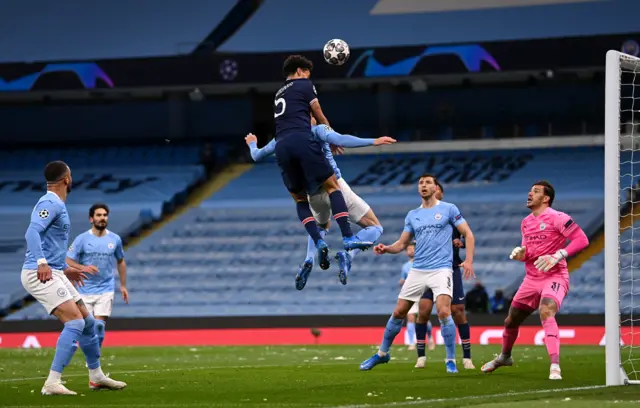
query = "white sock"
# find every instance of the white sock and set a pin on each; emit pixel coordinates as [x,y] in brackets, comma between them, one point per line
[381,353]
[96,373]
[54,376]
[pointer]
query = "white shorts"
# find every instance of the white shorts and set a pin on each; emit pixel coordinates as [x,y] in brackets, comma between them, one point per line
[415,308]
[321,205]
[100,304]
[439,281]
[50,294]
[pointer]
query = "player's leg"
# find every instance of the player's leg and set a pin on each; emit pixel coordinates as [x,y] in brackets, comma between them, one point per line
[411,326]
[460,318]
[422,327]
[56,300]
[321,211]
[441,283]
[102,312]
[89,302]
[553,292]
[361,213]
[522,306]
[410,293]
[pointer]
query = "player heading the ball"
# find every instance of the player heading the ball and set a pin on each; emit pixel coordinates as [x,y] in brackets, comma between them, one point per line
[544,234]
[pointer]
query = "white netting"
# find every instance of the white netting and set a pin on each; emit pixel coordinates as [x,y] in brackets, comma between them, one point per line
[629,291]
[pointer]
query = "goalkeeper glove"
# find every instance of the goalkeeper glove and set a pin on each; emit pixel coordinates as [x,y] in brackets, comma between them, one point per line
[546,262]
[518,253]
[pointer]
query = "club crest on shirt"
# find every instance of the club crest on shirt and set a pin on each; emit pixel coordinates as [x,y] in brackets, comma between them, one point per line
[438,216]
[543,226]
[110,245]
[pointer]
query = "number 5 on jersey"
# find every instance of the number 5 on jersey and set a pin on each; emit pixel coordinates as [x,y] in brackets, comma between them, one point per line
[280,101]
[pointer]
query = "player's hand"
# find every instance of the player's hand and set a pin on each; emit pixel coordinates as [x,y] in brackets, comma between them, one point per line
[125,294]
[337,150]
[251,138]
[458,243]
[518,253]
[544,263]
[76,276]
[384,140]
[467,268]
[44,273]
[380,249]
[90,269]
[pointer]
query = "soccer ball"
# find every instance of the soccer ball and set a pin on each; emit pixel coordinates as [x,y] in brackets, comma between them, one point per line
[336,52]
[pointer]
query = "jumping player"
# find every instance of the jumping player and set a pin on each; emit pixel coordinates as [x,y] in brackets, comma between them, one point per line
[546,283]
[359,211]
[432,225]
[300,158]
[48,279]
[99,250]
[457,304]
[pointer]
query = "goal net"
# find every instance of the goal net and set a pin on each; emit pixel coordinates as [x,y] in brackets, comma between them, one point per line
[622,211]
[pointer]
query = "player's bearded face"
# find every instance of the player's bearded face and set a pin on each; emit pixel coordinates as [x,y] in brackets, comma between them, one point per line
[535,197]
[426,188]
[100,221]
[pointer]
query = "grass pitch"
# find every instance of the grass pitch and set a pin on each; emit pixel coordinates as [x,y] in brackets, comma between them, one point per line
[315,376]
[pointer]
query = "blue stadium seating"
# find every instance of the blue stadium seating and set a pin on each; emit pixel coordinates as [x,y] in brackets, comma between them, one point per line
[238,252]
[137,184]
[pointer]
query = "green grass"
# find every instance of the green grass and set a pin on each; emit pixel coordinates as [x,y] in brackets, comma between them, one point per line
[312,377]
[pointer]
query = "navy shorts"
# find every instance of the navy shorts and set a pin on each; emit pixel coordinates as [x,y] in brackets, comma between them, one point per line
[458,289]
[302,163]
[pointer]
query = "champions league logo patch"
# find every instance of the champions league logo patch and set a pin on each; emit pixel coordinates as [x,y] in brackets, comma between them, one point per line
[543,226]
[44,214]
[438,216]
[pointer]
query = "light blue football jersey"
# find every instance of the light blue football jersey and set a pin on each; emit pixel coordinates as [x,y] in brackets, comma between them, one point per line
[102,252]
[49,218]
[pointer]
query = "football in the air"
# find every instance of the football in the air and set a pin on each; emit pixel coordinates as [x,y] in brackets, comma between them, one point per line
[336,52]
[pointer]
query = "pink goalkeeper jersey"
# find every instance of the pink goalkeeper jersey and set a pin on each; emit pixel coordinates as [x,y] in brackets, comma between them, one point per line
[545,235]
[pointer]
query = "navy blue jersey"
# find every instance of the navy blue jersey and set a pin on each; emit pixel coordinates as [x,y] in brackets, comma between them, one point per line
[292,110]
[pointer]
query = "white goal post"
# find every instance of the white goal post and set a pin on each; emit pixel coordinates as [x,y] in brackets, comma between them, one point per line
[622,366]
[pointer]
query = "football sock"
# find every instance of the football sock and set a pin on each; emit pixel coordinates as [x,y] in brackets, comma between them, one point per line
[89,343]
[411,332]
[448,330]
[390,332]
[509,337]
[100,330]
[306,217]
[429,329]
[552,339]
[465,337]
[340,213]
[65,347]
[421,335]
[311,246]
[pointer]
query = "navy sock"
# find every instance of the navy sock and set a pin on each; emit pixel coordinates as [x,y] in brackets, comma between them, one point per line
[306,217]
[421,336]
[340,213]
[465,337]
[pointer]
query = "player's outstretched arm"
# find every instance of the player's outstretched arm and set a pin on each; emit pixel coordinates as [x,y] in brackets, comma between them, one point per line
[326,134]
[259,154]
[400,245]
[470,245]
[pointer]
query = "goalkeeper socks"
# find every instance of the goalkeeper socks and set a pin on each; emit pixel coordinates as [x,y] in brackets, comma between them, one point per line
[429,329]
[509,337]
[306,217]
[465,337]
[552,339]
[65,347]
[421,335]
[100,330]
[90,344]
[340,213]
[411,332]
[448,330]
[369,234]
[390,332]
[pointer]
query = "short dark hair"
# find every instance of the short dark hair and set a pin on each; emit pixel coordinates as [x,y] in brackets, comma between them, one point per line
[439,184]
[293,62]
[548,190]
[425,175]
[98,206]
[55,171]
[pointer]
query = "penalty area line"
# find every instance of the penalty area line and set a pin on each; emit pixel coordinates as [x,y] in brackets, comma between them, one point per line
[470,397]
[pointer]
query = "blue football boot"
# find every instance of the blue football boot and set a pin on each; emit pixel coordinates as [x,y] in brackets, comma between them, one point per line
[344,260]
[451,367]
[354,243]
[374,361]
[303,274]
[323,254]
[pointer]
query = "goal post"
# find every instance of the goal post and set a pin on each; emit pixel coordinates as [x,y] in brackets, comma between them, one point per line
[622,366]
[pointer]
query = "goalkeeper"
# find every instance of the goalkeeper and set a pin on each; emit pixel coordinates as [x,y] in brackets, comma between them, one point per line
[544,234]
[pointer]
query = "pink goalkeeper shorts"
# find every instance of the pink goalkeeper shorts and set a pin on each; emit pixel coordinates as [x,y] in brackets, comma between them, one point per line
[532,291]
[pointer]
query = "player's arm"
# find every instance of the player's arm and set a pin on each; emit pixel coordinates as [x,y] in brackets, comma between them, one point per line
[458,221]
[577,242]
[326,134]
[519,253]
[469,240]
[73,257]
[259,154]
[400,245]
[311,96]
[122,271]
[42,216]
